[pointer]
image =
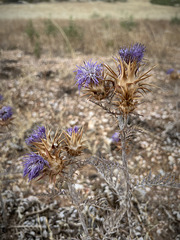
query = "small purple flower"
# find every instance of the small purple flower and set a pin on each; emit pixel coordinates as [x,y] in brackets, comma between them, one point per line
[1,97]
[6,113]
[169,71]
[89,73]
[33,165]
[36,136]
[70,130]
[115,137]
[135,53]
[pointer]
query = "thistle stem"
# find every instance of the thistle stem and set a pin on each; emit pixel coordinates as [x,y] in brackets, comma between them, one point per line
[75,200]
[123,126]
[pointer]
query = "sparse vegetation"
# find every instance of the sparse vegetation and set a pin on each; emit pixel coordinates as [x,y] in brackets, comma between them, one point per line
[165,2]
[31,32]
[108,35]
[128,24]
[72,31]
[34,38]
[50,28]
[175,20]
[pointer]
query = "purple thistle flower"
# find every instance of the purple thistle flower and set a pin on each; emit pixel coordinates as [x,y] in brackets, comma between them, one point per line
[135,53]
[115,137]
[89,73]
[36,136]
[70,130]
[6,113]
[33,165]
[169,71]
[1,97]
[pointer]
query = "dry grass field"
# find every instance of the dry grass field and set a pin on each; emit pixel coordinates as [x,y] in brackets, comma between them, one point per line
[138,9]
[40,47]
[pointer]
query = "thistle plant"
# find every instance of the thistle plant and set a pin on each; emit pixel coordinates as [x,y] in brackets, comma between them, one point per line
[118,91]
[52,156]
[6,117]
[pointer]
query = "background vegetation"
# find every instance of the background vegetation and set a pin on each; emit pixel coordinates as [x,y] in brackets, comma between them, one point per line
[95,36]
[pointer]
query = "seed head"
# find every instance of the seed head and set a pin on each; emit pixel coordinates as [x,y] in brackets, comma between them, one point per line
[128,81]
[50,150]
[73,142]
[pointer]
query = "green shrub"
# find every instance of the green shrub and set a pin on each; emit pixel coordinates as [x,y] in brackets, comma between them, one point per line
[72,30]
[50,28]
[37,49]
[115,0]
[33,36]
[95,15]
[31,31]
[128,24]
[166,2]
[29,1]
[175,20]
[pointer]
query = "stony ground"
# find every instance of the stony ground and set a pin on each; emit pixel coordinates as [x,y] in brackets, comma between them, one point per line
[43,92]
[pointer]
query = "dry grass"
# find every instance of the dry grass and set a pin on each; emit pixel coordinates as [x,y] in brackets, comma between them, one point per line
[62,37]
[141,9]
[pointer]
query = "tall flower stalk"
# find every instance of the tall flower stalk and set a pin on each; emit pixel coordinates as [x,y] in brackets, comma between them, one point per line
[118,91]
[123,127]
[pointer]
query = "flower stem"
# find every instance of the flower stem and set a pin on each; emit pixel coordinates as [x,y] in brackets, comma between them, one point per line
[123,126]
[75,199]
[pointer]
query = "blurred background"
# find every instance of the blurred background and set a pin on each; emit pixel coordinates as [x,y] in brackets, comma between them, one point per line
[63,28]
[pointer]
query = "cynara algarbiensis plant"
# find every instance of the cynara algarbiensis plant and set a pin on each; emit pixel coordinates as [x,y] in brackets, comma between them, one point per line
[118,91]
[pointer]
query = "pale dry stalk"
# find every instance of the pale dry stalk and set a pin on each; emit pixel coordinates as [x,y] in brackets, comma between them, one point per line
[75,199]
[123,126]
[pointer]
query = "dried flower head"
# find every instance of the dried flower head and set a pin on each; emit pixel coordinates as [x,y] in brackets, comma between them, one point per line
[115,137]
[51,158]
[36,136]
[1,97]
[89,74]
[128,85]
[70,130]
[73,141]
[6,116]
[50,150]
[6,113]
[132,54]
[33,165]
[169,71]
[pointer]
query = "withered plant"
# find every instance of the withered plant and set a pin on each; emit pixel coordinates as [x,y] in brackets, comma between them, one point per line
[119,91]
